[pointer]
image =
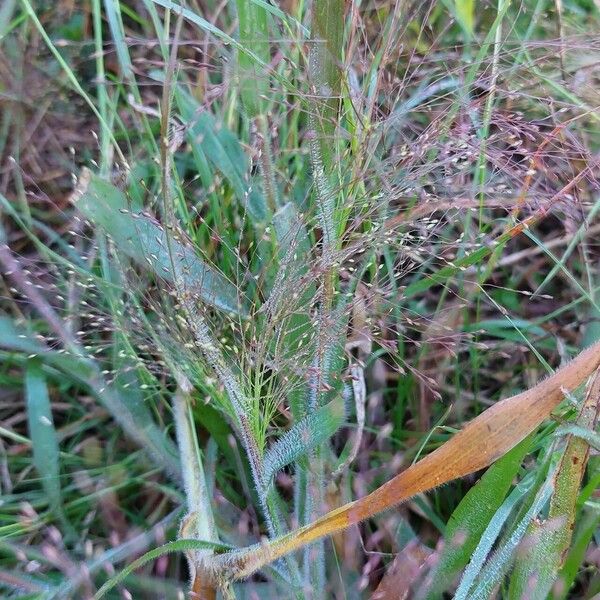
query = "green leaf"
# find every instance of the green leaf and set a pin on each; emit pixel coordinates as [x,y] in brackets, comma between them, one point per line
[117,30]
[490,535]
[126,407]
[505,329]
[499,563]
[312,431]
[144,240]
[43,437]
[591,437]
[18,339]
[254,35]
[215,145]
[465,12]
[285,18]
[471,517]
[6,13]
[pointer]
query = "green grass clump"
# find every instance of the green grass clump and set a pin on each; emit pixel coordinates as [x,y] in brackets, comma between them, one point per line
[260,258]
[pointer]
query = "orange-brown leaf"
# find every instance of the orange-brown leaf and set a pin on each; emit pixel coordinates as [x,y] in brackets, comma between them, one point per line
[481,442]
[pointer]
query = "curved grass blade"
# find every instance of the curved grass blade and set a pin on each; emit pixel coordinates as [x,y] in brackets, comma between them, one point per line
[489,537]
[145,241]
[18,339]
[500,562]
[112,556]
[177,546]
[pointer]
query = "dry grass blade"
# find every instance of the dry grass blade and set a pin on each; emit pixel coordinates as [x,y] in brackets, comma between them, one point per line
[481,442]
[404,570]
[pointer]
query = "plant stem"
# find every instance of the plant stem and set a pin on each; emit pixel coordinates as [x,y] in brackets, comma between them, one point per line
[325,77]
[199,516]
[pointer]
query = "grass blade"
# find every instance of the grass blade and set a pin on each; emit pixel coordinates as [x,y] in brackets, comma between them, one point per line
[465,12]
[216,145]
[254,35]
[183,545]
[480,443]
[254,85]
[500,562]
[145,240]
[43,437]
[129,410]
[327,35]
[489,537]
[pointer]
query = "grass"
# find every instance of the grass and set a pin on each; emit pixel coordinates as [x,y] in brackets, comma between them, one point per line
[282,284]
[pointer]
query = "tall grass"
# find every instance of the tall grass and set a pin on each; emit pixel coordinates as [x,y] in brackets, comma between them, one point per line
[314,266]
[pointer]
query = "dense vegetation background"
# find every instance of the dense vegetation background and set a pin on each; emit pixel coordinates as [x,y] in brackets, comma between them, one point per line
[279,248]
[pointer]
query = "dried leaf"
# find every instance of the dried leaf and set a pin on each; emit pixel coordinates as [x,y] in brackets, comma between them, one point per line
[480,443]
[402,573]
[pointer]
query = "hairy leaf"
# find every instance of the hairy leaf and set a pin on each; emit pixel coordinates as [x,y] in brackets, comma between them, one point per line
[315,429]
[144,240]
